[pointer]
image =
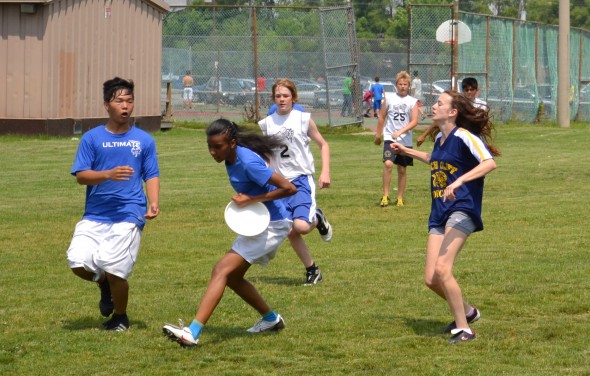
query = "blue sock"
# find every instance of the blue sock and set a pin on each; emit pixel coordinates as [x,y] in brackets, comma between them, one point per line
[271,316]
[195,328]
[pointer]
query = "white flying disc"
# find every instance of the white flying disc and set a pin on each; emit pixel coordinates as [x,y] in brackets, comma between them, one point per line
[250,220]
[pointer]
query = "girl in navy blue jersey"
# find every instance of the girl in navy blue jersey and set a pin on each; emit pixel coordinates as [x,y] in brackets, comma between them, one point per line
[462,156]
[244,155]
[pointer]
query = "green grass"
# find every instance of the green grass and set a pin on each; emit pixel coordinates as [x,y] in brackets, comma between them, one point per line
[528,272]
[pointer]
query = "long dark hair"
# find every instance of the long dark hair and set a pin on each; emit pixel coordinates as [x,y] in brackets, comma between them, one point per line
[260,144]
[475,120]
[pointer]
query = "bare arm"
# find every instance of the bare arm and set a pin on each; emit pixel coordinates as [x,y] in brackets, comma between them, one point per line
[284,189]
[316,136]
[91,177]
[426,133]
[152,188]
[478,171]
[416,154]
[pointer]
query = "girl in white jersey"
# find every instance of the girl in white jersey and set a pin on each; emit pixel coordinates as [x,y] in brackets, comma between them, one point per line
[295,162]
[399,115]
[462,156]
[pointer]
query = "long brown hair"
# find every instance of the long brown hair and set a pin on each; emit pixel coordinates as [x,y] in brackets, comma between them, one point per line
[475,120]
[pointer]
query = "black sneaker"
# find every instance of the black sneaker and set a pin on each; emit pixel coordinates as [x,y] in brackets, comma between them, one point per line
[462,336]
[105,305]
[324,227]
[471,318]
[313,277]
[117,323]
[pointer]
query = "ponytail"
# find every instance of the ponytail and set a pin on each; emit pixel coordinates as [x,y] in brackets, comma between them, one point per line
[262,145]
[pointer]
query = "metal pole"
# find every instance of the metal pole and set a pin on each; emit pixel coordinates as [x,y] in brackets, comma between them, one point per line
[255,46]
[563,65]
[455,44]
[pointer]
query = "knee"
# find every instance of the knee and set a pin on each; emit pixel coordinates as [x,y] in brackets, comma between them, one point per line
[388,165]
[300,227]
[442,273]
[431,282]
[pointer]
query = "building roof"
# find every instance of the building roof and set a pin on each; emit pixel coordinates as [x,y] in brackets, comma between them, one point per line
[161,4]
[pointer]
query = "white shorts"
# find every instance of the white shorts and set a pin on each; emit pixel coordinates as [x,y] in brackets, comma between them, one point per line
[105,247]
[260,249]
[187,94]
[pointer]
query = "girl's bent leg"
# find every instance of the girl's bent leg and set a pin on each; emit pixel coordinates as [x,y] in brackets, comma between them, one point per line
[229,267]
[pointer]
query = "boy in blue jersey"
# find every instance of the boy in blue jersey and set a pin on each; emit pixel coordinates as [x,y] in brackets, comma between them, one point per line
[461,158]
[377,91]
[113,161]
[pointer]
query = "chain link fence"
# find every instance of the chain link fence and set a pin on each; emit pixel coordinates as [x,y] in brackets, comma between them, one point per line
[234,55]
[514,62]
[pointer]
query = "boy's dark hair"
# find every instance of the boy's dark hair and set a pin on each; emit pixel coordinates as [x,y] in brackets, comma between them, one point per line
[469,82]
[111,87]
[415,73]
[377,79]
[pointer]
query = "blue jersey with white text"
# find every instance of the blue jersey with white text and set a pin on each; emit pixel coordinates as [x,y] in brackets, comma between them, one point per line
[250,174]
[460,153]
[117,201]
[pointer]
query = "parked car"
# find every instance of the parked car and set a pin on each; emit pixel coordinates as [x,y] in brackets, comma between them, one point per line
[307,92]
[227,90]
[388,86]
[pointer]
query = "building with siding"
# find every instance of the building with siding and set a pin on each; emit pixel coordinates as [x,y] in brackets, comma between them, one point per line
[56,54]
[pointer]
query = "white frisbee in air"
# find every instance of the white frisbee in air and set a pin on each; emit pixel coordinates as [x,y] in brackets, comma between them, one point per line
[250,220]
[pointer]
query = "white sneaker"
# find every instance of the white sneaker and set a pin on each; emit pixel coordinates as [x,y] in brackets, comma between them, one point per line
[181,334]
[264,326]
[324,227]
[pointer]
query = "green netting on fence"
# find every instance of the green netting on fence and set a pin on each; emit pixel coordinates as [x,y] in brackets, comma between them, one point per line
[514,62]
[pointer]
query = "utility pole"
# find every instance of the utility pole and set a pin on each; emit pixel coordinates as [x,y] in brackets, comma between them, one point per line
[563,65]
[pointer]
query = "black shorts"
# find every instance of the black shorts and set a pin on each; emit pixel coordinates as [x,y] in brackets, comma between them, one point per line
[400,160]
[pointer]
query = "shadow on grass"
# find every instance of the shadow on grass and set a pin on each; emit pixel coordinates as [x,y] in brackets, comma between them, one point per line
[427,328]
[285,281]
[88,322]
[220,334]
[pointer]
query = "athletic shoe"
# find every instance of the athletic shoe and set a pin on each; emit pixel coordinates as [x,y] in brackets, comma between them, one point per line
[400,202]
[105,304]
[265,326]
[384,201]
[313,277]
[375,115]
[323,226]
[117,323]
[367,115]
[462,336]
[180,334]
[471,318]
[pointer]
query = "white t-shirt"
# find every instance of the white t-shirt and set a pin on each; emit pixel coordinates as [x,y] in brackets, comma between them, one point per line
[398,110]
[417,87]
[295,159]
[479,103]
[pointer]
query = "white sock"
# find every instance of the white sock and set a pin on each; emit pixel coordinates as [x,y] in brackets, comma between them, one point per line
[459,330]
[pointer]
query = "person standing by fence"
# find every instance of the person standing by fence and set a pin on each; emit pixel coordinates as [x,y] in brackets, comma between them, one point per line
[187,93]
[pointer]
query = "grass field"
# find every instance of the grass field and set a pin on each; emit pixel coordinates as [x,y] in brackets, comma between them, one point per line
[528,271]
